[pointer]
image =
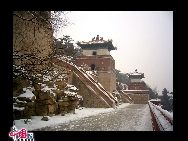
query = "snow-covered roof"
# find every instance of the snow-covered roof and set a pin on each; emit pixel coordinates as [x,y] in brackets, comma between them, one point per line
[97,43]
[136,74]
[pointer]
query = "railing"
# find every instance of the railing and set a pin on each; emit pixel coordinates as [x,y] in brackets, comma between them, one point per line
[161,119]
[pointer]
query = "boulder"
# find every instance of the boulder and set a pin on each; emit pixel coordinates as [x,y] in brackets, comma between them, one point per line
[41,109]
[52,108]
[45,118]
[44,96]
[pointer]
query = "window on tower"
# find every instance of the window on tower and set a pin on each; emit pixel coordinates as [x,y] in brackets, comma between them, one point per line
[92,67]
[94,53]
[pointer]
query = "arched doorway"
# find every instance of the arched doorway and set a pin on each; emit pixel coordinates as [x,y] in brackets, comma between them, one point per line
[92,67]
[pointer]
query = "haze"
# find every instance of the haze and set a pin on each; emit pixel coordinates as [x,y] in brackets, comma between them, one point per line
[144,40]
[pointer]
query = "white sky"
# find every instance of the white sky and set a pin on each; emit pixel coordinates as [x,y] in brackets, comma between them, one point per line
[144,40]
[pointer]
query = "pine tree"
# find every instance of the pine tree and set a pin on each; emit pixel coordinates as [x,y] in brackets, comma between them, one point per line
[165,100]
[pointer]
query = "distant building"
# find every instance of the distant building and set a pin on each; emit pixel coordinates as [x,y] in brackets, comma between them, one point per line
[96,54]
[137,88]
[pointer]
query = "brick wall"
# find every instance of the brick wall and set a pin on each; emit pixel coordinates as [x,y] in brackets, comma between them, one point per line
[101,62]
[137,86]
[139,98]
[90,100]
[108,80]
[104,64]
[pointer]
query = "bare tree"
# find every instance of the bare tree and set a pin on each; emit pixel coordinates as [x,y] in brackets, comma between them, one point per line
[29,53]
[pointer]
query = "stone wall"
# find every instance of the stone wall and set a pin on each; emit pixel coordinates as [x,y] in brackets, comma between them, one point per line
[137,86]
[139,98]
[90,100]
[108,80]
[124,98]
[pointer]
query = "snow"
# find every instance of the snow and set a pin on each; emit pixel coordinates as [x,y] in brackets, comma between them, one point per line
[79,97]
[62,76]
[135,73]
[91,73]
[116,92]
[55,120]
[145,121]
[46,88]
[27,94]
[18,108]
[134,90]
[155,100]
[39,74]
[71,87]
[46,78]
[70,93]
[64,58]
[100,85]
[163,123]
[20,101]
[167,113]
[170,95]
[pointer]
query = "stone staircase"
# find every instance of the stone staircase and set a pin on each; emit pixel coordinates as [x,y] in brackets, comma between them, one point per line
[90,83]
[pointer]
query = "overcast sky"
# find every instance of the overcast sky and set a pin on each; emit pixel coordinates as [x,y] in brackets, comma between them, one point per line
[144,40]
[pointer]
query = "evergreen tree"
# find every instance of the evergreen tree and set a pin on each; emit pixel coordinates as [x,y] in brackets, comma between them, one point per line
[165,100]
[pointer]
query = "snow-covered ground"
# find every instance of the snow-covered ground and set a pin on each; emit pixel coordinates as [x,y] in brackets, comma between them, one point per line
[37,123]
[134,117]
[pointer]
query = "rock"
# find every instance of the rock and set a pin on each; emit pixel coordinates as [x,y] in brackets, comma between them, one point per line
[63,103]
[45,118]
[65,99]
[50,101]
[52,108]
[27,121]
[41,109]
[21,103]
[17,114]
[25,99]
[44,96]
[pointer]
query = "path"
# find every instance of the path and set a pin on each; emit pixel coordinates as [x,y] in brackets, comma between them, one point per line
[135,117]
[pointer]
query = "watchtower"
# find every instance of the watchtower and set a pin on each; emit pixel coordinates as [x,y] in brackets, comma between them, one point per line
[96,54]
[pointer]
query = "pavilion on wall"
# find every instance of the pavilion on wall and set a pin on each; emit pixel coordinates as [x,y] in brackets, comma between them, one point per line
[96,55]
[137,88]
